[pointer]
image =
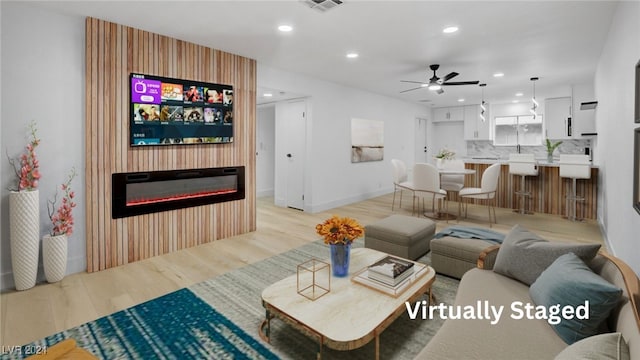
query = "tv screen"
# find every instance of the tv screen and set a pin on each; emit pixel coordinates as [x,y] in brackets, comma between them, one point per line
[167,111]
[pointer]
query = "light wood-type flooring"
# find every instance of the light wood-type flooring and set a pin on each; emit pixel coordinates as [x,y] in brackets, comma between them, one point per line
[48,308]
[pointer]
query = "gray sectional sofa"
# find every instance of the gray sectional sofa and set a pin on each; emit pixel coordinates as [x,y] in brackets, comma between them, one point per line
[536,339]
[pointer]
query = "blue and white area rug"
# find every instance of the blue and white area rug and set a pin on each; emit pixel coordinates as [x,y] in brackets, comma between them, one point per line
[178,325]
[219,319]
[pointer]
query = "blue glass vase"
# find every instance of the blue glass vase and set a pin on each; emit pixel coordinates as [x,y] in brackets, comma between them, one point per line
[340,254]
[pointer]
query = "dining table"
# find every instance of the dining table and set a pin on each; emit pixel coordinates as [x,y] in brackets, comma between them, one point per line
[439,214]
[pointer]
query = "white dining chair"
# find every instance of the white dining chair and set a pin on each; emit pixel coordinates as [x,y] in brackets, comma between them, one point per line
[574,167]
[426,181]
[452,182]
[523,165]
[486,191]
[400,180]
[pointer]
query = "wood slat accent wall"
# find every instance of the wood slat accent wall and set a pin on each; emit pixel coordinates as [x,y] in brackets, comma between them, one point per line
[113,52]
[548,190]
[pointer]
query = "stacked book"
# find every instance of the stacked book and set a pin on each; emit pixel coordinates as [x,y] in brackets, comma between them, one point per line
[390,270]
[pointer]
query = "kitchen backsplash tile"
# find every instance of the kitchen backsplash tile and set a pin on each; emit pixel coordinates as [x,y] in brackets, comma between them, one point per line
[487,149]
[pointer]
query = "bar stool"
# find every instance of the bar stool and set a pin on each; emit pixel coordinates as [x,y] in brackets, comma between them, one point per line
[574,167]
[523,165]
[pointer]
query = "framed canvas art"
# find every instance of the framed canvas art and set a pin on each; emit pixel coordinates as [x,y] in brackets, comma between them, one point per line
[367,140]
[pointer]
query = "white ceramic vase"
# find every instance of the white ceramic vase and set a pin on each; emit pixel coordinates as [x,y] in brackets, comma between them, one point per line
[24,223]
[54,257]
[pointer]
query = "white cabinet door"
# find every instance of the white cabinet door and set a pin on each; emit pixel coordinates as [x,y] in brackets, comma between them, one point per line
[474,127]
[557,118]
[456,113]
[440,114]
[471,117]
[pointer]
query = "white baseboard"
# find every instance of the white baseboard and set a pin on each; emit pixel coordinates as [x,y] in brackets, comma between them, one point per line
[315,208]
[265,193]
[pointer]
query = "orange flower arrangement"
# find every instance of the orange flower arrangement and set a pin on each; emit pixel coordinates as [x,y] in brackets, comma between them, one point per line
[337,230]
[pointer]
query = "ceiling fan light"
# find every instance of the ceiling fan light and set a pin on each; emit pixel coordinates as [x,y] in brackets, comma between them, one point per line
[434,87]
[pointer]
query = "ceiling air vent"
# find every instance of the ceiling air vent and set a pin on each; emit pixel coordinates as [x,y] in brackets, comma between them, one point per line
[322,5]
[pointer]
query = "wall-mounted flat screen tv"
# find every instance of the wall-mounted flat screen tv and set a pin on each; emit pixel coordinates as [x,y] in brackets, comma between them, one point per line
[166,111]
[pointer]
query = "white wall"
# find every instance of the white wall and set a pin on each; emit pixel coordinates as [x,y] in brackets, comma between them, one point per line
[43,67]
[265,147]
[330,178]
[614,89]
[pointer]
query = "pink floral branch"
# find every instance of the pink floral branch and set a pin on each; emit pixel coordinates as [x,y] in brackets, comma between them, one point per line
[28,174]
[62,218]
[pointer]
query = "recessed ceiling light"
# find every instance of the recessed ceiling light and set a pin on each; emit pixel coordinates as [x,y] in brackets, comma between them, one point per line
[285,28]
[450,29]
[460,100]
[267,94]
[352,55]
[498,74]
[518,94]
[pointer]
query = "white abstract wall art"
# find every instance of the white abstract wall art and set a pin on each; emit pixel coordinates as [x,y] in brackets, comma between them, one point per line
[367,140]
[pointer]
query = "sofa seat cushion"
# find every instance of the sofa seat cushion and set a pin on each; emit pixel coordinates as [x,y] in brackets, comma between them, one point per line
[508,339]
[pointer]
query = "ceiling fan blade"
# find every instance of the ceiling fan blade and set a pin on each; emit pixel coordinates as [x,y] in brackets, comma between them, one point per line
[404,91]
[413,82]
[449,76]
[461,83]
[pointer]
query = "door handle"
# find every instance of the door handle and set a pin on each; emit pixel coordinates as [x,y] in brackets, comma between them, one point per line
[289,155]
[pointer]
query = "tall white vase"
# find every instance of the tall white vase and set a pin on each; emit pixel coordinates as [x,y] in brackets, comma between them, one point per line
[54,257]
[24,223]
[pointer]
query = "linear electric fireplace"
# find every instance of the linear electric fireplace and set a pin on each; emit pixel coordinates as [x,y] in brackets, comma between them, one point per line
[153,191]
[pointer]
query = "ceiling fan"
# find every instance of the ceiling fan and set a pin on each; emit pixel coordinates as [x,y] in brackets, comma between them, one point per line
[436,83]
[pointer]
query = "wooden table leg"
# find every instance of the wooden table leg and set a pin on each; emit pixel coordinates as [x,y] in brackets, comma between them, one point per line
[265,323]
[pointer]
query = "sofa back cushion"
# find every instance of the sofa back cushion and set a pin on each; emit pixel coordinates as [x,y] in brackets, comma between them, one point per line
[524,255]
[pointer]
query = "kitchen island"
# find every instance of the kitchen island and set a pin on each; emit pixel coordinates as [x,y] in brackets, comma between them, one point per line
[547,189]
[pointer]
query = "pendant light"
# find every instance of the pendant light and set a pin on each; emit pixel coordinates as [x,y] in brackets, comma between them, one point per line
[483,108]
[533,99]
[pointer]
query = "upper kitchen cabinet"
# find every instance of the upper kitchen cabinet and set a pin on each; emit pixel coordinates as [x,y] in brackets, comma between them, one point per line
[584,117]
[558,118]
[455,113]
[474,127]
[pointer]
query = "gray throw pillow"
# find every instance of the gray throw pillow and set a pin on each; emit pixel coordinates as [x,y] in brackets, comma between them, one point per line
[524,255]
[569,282]
[598,347]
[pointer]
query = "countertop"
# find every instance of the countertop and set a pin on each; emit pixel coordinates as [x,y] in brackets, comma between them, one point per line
[493,160]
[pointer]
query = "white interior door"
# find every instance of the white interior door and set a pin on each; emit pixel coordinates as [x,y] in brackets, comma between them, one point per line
[294,119]
[421,150]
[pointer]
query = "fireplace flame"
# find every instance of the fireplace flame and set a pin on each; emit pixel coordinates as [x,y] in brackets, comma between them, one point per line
[143,201]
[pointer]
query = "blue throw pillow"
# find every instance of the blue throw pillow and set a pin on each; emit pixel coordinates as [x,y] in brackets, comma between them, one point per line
[570,282]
